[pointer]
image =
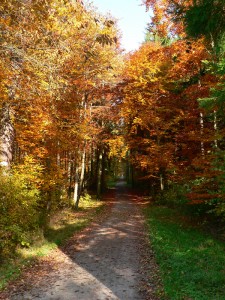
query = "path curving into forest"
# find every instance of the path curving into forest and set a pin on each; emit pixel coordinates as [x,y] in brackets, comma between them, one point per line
[104,264]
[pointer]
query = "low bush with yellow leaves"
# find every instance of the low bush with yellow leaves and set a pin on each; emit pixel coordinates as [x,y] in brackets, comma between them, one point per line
[19,196]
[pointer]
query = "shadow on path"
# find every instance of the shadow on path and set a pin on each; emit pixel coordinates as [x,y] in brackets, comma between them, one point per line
[103,264]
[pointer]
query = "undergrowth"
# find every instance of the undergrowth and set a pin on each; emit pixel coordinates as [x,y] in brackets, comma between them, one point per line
[62,226]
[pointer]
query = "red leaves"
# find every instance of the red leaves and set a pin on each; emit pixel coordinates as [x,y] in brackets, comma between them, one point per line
[199,198]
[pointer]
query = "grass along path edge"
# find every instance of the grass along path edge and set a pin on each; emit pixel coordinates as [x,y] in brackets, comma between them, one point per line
[63,225]
[191,262]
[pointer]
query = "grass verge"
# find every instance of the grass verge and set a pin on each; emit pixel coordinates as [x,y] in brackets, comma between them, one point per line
[191,263]
[62,226]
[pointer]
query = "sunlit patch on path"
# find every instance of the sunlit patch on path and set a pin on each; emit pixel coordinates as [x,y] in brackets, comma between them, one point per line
[103,264]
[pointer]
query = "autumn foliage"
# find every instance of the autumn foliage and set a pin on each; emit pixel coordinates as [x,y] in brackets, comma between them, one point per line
[58,61]
[74,110]
[172,103]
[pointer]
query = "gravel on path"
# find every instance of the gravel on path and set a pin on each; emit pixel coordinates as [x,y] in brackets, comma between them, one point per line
[104,264]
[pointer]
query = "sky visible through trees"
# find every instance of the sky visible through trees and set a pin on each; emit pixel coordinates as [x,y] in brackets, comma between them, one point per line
[132,20]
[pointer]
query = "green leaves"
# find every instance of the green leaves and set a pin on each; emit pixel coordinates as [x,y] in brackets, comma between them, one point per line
[206,18]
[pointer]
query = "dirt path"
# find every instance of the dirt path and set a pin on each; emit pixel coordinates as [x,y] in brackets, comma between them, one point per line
[105,264]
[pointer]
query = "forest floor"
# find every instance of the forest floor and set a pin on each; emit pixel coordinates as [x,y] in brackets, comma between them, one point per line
[109,260]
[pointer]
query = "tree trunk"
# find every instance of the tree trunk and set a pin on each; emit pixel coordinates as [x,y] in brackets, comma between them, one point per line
[161,183]
[6,137]
[58,157]
[99,175]
[70,175]
[76,187]
[83,164]
[215,127]
[79,177]
[202,132]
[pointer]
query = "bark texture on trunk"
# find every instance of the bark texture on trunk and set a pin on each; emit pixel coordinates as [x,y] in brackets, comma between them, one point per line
[6,137]
[99,175]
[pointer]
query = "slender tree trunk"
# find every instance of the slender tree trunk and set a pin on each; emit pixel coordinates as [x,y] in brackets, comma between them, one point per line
[161,182]
[58,157]
[49,194]
[128,179]
[201,126]
[92,167]
[202,132]
[6,137]
[76,187]
[99,175]
[104,168]
[215,127]
[83,165]
[79,177]
[80,165]
[130,174]
[70,174]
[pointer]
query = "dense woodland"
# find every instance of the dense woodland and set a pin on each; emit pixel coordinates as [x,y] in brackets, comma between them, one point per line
[77,112]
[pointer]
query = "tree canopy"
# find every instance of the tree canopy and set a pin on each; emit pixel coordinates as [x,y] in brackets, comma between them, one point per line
[76,112]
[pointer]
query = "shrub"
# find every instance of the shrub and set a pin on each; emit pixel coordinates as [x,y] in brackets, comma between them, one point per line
[19,196]
[173,196]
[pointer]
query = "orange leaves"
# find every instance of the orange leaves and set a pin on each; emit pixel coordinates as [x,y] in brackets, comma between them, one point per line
[167,19]
[58,62]
[117,147]
[165,130]
[199,198]
[187,59]
[140,66]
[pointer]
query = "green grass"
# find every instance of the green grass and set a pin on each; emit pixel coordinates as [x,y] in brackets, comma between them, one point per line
[191,263]
[111,183]
[62,226]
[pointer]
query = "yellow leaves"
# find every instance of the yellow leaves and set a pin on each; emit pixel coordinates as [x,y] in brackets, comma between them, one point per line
[59,69]
[5,20]
[145,65]
[117,147]
[138,121]
[44,84]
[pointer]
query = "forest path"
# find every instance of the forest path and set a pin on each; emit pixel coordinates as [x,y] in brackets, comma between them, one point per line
[104,264]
